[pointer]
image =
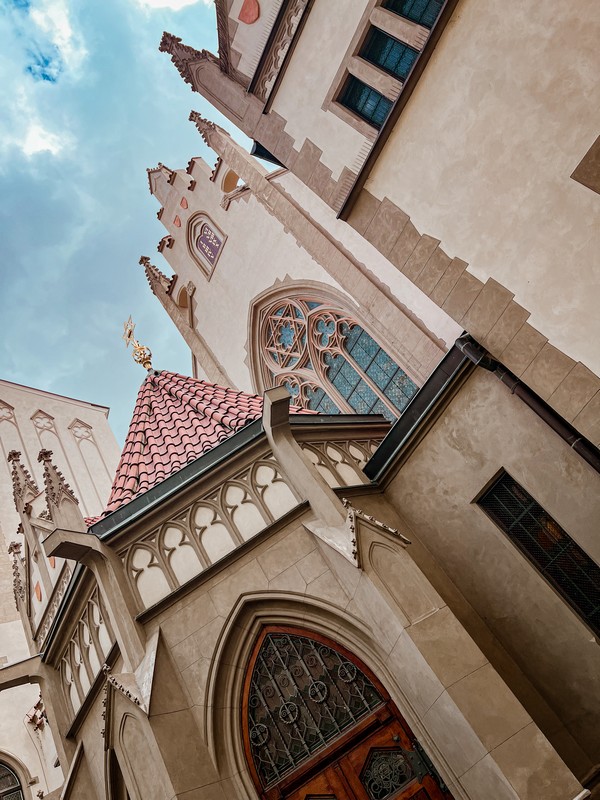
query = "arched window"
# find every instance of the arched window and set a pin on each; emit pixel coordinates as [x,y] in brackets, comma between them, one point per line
[10,785]
[328,361]
[319,724]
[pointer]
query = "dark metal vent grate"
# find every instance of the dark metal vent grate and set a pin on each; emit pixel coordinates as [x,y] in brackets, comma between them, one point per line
[548,546]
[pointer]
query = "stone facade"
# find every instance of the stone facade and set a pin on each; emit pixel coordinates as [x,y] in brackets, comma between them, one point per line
[486,276]
[86,450]
[194,640]
[149,701]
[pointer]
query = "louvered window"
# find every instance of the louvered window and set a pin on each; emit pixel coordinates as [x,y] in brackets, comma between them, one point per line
[423,12]
[547,545]
[365,101]
[388,53]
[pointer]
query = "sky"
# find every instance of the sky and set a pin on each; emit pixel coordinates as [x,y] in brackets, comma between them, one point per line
[87,104]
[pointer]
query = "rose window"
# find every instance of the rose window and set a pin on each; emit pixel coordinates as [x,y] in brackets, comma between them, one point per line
[328,362]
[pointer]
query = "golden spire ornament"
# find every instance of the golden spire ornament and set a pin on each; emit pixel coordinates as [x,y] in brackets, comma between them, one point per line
[141,354]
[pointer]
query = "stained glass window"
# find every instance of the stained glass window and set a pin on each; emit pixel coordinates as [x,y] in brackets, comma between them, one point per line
[10,786]
[303,694]
[328,362]
[368,103]
[424,12]
[547,545]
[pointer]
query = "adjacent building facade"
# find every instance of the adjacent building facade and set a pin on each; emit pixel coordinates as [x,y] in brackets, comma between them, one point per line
[86,451]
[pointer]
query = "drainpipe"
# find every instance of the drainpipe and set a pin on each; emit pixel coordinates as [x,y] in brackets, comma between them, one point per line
[479,356]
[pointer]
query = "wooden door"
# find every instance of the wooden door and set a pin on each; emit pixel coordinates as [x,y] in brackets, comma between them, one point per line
[384,766]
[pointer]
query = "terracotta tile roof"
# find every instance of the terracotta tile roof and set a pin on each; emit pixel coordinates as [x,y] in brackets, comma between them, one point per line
[175,420]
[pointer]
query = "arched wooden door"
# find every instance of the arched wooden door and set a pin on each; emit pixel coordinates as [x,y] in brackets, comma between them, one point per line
[318,725]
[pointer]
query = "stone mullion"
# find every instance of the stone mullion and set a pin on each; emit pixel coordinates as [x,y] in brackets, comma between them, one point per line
[84,650]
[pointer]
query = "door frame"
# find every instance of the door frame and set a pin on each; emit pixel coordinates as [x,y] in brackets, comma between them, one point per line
[377,719]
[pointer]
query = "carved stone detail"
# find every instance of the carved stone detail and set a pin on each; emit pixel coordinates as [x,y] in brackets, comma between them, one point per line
[50,612]
[43,421]
[207,530]
[341,463]
[18,570]
[86,652]
[154,276]
[54,481]
[279,48]
[81,430]
[24,487]
[182,55]
[207,129]
[7,413]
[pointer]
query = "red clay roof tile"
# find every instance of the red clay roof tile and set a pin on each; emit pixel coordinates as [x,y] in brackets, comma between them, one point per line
[175,420]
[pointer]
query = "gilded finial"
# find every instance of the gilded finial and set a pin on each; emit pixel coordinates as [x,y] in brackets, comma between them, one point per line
[141,354]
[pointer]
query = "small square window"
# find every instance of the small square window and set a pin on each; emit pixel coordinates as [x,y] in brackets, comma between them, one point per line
[365,101]
[388,53]
[423,12]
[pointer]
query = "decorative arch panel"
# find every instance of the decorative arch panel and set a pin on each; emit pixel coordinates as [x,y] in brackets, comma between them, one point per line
[327,359]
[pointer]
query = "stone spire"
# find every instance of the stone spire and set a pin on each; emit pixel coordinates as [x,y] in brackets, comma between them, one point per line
[24,487]
[63,506]
[206,359]
[209,131]
[154,276]
[183,56]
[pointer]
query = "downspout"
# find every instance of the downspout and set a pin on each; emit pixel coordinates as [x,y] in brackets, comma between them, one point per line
[481,358]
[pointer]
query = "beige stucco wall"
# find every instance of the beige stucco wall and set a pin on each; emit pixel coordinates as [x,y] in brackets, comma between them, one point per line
[416,302]
[481,157]
[322,46]
[260,251]
[484,429]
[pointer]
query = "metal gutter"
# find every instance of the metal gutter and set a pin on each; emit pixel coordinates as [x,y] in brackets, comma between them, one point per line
[436,390]
[580,444]
[465,355]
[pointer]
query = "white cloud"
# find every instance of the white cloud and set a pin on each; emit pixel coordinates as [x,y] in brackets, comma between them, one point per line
[51,17]
[38,140]
[42,49]
[173,5]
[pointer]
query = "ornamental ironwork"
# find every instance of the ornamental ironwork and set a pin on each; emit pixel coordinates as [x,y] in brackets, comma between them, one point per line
[328,362]
[386,771]
[303,695]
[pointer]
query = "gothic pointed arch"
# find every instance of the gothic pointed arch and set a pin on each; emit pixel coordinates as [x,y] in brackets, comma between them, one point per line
[318,723]
[225,696]
[308,338]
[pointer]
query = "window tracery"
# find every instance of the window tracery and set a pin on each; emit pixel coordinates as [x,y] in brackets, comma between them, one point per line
[10,785]
[328,362]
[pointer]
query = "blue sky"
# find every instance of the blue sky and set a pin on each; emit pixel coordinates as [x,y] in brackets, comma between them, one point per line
[89,103]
